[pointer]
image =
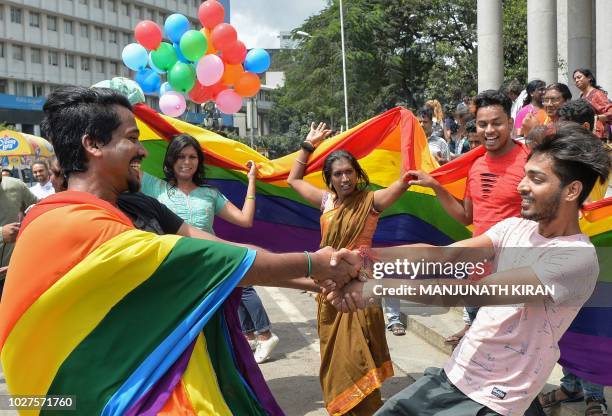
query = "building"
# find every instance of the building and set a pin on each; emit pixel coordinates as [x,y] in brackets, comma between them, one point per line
[48,43]
[562,35]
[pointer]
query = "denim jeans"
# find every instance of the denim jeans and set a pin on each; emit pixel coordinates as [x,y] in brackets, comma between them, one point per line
[392,311]
[573,383]
[469,314]
[253,316]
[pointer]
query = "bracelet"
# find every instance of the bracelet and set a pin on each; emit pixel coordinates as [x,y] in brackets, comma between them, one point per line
[309,264]
[251,197]
[300,162]
[306,145]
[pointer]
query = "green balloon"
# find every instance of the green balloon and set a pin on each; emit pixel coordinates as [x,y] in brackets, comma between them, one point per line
[182,77]
[193,45]
[164,57]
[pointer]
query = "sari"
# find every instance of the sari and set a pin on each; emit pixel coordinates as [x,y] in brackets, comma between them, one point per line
[355,358]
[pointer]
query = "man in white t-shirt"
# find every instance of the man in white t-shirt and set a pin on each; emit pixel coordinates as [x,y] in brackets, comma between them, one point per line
[44,187]
[503,362]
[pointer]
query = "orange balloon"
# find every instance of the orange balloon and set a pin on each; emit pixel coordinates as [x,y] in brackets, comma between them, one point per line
[211,47]
[247,85]
[231,74]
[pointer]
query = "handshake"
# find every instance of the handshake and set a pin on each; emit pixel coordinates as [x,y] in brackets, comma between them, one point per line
[341,275]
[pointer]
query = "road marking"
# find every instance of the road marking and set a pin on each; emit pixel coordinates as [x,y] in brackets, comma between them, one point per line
[294,315]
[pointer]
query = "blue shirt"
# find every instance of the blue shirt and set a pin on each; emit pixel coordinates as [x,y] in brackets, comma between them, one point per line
[197,209]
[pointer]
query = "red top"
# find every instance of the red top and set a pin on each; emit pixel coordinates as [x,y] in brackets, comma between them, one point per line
[491,185]
[601,105]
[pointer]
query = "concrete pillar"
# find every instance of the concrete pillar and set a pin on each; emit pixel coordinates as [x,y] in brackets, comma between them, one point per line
[490,45]
[542,40]
[562,36]
[603,48]
[579,39]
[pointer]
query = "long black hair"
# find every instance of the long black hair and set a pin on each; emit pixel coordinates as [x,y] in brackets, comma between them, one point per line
[178,143]
[589,74]
[362,178]
[532,87]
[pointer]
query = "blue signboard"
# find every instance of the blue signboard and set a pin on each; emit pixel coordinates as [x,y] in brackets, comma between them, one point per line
[8,143]
[18,102]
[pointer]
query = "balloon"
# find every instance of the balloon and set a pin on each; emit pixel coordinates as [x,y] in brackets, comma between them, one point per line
[223,35]
[165,87]
[200,94]
[181,77]
[211,13]
[257,60]
[149,80]
[179,54]
[164,57]
[234,53]
[247,85]
[216,89]
[135,56]
[153,67]
[172,104]
[211,48]
[229,102]
[193,45]
[148,34]
[176,24]
[209,70]
[231,74]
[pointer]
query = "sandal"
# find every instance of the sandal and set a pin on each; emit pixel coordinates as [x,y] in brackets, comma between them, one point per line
[551,399]
[596,408]
[456,338]
[397,329]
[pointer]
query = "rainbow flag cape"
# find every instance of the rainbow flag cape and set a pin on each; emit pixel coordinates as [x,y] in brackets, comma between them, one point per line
[384,145]
[126,322]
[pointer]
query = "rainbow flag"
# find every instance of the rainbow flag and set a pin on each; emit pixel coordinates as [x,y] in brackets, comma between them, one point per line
[384,145]
[126,322]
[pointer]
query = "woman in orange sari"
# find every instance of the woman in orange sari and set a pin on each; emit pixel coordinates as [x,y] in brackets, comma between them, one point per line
[355,358]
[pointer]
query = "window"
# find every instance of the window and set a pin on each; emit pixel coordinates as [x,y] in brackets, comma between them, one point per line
[139,12]
[20,88]
[83,2]
[69,62]
[100,65]
[112,5]
[151,14]
[98,3]
[126,38]
[68,27]
[84,63]
[3,86]
[18,52]
[52,23]
[125,9]
[99,33]
[1,13]
[34,19]
[1,49]
[36,56]
[53,58]
[84,30]
[37,90]
[15,15]
[114,68]
[112,36]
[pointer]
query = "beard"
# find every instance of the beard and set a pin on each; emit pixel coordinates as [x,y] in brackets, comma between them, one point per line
[547,211]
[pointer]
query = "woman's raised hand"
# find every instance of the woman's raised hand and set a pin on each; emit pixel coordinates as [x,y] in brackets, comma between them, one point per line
[318,134]
[252,169]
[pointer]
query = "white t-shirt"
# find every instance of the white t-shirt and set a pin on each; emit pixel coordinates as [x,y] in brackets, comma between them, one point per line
[42,191]
[505,358]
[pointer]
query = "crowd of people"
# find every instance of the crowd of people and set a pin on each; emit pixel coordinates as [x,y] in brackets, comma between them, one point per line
[544,156]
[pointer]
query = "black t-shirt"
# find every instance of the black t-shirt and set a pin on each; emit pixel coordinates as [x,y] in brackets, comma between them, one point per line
[148,214]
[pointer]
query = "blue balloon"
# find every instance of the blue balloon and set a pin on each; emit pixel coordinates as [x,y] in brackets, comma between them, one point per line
[165,87]
[149,80]
[179,54]
[135,57]
[153,67]
[257,61]
[176,24]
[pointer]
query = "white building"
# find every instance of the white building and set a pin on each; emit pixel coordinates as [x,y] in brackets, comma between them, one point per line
[48,43]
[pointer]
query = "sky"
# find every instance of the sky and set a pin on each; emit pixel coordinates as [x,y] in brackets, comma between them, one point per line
[258,22]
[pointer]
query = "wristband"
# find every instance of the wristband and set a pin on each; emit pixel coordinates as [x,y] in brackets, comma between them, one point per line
[251,197]
[309,264]
[307,146]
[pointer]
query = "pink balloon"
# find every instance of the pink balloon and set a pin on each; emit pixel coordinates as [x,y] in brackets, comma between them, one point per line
[228,102]
[209,70]
[172,104]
